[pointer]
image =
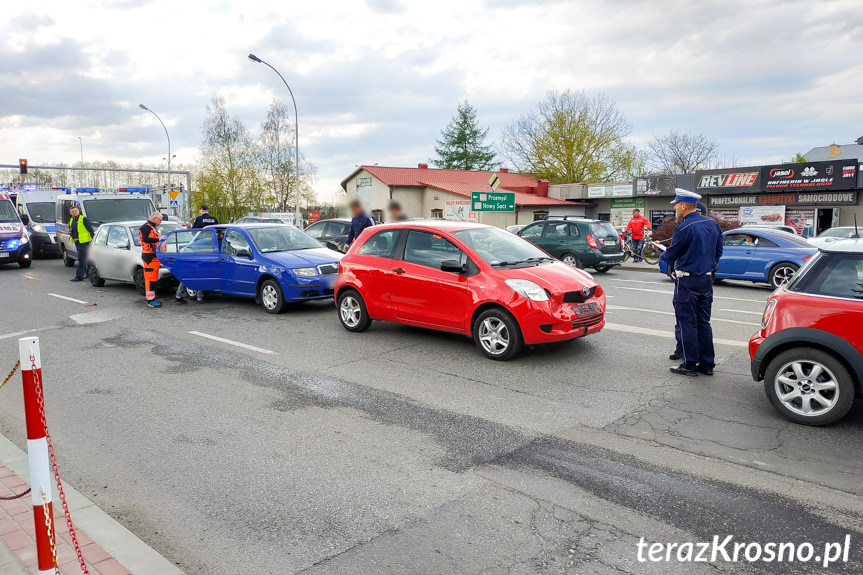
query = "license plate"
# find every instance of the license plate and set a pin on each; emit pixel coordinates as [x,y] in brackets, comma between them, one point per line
[609,242]
[584,309]
[4,254]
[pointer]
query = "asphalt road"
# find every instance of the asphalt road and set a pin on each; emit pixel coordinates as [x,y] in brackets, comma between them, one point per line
[405,451]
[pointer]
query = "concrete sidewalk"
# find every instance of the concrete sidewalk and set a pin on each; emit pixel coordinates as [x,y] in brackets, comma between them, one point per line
[641,267]
[108,547]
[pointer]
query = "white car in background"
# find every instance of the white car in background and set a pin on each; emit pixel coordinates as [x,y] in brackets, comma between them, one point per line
[115,255]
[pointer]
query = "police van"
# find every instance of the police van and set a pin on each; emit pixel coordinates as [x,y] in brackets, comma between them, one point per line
[37,207]
[14,240]
[128,204]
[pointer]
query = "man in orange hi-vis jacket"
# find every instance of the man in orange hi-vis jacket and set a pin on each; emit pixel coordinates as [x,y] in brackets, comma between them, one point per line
[149,241]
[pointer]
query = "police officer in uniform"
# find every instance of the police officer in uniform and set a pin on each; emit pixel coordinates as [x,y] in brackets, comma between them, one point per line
[696,247]
[203,220]
[678,353]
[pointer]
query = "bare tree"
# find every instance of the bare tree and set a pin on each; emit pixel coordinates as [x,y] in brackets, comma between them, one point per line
[571,137]
[276,158]
[228,179]
[681,153]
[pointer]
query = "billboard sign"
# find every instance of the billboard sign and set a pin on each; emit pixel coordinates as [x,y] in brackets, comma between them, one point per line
[459,211]
[728,181]
[762,215]
[834,175]
[655,186]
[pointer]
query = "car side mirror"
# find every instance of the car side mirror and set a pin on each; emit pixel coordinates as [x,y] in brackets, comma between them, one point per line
[243,253]
[453,266]
[25,219]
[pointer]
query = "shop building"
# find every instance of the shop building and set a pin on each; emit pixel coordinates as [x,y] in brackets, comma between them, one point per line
[425,192]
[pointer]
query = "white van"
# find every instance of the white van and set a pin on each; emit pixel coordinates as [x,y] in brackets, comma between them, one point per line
[38,205]
[100,208]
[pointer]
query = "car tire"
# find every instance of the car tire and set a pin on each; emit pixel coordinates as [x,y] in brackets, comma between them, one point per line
[601,269]
[831,402]
[271,296]
[138,278]
[353,314]
[497,334]
[571,260]
[67,261]
[25,262]
[780,274]
[95,280]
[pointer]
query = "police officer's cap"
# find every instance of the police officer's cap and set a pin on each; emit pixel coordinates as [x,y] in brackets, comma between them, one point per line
[682,195]
[702,209]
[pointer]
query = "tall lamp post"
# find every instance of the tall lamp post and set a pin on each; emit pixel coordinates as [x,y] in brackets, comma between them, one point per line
[297,222]
[81,142]
[143,107]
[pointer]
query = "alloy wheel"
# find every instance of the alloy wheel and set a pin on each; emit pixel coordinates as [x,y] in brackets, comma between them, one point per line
[269,297]
[494,335]
[783,275]
[807,388]
[350,311]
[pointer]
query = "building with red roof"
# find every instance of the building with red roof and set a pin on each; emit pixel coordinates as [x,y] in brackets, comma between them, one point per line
[427,192]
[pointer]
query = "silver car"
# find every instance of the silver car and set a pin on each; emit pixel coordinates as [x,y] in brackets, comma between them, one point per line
[115,254]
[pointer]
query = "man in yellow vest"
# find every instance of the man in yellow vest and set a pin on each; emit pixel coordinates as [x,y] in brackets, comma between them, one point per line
[82,232]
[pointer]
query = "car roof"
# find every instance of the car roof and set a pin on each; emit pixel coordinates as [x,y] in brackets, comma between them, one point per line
[765,231]
[331,220]
[435,225]
[845,246]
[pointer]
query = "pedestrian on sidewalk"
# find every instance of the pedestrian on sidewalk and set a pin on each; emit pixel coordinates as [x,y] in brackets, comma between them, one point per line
[636,227]
[81,231]
[360,220]
[396,213]
[696,247]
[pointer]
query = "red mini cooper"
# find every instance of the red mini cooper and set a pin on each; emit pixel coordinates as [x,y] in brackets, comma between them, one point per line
[809,351]
[465,278]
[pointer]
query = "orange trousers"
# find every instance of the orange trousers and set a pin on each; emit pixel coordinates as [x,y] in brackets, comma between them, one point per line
[151,276]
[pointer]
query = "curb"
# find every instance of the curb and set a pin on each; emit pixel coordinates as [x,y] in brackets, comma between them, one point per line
[122,544]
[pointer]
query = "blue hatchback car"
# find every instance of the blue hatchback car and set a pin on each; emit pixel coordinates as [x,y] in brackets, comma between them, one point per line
[761,255]
[274,263]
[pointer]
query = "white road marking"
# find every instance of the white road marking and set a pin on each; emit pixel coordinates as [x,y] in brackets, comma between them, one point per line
[672,293]
[741,311]
[68,298]
[232,342]
[712,319]
[24,333]
[642,282]
[666,334]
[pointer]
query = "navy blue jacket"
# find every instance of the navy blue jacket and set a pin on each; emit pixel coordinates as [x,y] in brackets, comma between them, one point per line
[696,245]
[358,224]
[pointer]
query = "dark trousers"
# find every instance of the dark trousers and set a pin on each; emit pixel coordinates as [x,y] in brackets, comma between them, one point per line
[636,248]
[81,270]
[693,300]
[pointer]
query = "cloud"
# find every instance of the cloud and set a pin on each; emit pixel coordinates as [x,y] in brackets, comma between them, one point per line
[376,81]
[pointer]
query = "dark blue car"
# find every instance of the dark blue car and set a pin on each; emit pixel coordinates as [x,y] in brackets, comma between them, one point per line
[274,263]
[761,255]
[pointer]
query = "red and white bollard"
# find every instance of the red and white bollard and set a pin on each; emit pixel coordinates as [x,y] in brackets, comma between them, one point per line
[37,450]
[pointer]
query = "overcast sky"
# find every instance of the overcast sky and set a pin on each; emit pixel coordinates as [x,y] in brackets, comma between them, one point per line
[375,81]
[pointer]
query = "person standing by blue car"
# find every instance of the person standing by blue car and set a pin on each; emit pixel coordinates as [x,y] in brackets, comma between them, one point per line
[360,220]
[696,247]
[203,220]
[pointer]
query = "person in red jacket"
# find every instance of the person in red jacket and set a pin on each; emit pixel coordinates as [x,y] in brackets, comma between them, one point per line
[636,227]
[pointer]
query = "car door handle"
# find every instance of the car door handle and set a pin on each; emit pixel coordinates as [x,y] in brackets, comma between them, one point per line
[222,260]
[169,260]
[398,271]
[748,251]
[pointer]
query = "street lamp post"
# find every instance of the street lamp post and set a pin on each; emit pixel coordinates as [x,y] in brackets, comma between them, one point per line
[81,142]
[143,107]
[297,222]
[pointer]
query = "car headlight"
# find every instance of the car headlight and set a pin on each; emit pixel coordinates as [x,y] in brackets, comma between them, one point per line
[528,289]
[25,239]
[305,272]
[38,228]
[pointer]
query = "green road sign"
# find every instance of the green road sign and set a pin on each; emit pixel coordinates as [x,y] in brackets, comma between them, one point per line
[492,201]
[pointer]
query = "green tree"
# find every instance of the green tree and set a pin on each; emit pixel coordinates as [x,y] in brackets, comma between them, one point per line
[277,159]
[227,181]
[799,158]
[462,146]
[571,138]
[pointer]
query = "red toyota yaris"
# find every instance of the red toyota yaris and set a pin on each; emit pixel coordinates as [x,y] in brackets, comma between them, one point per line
[465,278]
[809,351]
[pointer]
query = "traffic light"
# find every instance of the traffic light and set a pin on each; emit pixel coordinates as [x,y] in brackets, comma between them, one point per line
[22,166]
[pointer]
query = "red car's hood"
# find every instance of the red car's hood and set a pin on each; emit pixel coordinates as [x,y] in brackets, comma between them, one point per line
[556,277]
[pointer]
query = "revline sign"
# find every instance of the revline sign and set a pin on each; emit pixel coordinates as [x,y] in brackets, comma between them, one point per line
[728,181]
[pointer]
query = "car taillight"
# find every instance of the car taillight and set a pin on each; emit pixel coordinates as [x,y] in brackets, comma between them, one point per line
[591,242]
[768,312]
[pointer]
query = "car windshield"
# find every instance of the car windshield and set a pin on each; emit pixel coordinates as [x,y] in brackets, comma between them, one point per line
[499,248]
[42,212]
[7,212]
[282,239]
[102,211]
[836,233]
